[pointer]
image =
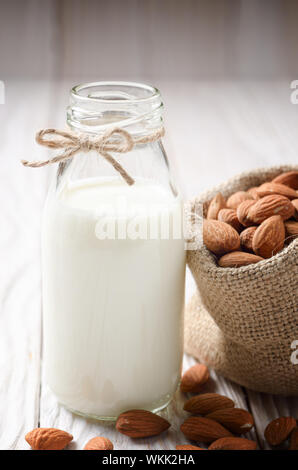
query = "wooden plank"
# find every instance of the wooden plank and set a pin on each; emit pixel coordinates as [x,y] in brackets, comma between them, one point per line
[22,192]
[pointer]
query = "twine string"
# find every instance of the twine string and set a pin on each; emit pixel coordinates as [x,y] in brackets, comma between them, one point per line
[114,140]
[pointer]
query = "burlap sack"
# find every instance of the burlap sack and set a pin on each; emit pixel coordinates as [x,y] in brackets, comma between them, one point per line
[243,321]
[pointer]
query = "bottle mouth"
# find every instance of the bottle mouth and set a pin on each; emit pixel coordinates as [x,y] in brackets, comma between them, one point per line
[113,92]
[98,106]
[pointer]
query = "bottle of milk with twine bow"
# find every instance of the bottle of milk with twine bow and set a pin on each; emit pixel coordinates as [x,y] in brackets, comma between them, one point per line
[113,255]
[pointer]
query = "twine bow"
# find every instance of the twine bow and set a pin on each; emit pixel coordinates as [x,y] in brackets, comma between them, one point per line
[115,140]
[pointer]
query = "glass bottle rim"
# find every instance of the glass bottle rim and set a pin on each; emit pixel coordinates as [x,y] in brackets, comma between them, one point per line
[78,90]
[98,106]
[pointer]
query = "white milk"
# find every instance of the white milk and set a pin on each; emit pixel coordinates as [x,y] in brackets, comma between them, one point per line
[113,321]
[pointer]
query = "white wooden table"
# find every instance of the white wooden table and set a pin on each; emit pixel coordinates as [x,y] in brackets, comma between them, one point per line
[215,130]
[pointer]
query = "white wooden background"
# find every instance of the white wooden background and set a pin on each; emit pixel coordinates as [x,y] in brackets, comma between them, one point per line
[215,130]
[148,39]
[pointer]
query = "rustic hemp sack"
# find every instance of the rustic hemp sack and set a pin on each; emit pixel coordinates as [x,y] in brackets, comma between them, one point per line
[243,322]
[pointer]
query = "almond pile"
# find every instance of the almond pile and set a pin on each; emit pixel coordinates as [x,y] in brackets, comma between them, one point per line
[141,423]
[253,225]
[214,422]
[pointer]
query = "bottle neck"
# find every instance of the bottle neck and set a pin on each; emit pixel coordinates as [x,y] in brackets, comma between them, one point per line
[97,107]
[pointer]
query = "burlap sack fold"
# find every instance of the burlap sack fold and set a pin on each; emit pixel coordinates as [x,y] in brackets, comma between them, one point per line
[243,321]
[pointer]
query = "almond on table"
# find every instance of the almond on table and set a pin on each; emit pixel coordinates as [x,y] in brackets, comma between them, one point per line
[193,379]
[207,403]
[48,439]
[99,443]
[236,420]
[203,430]
[279,430]
[233,443]
[141,423]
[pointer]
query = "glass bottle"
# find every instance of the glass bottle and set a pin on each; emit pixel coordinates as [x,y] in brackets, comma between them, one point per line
[113,263]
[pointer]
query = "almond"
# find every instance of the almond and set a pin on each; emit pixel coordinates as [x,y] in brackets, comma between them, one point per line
[235,199]
[290,178]
[141,423]
[233,443]
[269,237]
[217,203]
[235,259]
[246,238]
[242,213]
[229,216]
[268,206]
[253,192]
[188,447]
[279,430]
[99,443]
[275,188]
[291,228]
[235,420]
[207,403]
[194,378]
[220,237]
[295,204]
[48,439]
[203,429]
[294,440]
